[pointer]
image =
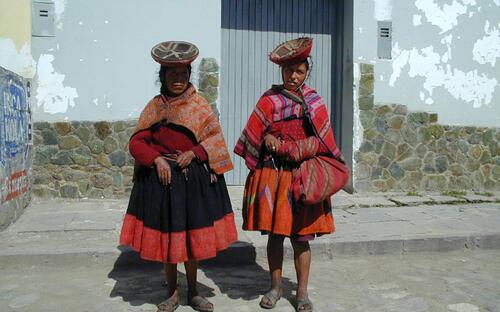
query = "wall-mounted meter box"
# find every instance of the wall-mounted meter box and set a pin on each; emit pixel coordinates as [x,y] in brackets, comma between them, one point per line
[42,18]
[384,40]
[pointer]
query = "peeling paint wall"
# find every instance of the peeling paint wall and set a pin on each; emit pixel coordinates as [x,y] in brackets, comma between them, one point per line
[445,56]
[15,37]
[98,65]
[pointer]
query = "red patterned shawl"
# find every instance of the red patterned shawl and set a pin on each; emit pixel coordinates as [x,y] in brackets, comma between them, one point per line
[273,106]
[192,111]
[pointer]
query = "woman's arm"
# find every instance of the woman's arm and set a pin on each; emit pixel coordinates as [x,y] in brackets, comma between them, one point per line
[141,150]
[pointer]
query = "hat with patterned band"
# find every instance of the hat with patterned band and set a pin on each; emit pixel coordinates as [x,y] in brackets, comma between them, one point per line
[291,51]
[174,53]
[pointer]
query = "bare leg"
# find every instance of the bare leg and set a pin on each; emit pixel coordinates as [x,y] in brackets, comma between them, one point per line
[198,302]
[302,261]
[191,267]
[171,276]
[275,259]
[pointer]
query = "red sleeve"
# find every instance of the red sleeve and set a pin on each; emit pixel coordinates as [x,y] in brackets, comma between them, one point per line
[141,149]
[200,152]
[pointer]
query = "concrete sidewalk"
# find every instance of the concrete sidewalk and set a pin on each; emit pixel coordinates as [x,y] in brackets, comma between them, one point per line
[64,231]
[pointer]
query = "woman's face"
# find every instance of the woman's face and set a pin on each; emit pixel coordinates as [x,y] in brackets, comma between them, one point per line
[294,75]
[177,79]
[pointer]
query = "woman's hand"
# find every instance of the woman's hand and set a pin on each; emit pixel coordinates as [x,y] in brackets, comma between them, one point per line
[272,143]
[184,159]
[163,170]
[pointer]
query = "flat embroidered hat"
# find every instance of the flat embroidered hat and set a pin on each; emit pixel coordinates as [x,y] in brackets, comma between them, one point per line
[291,51]
[174,53]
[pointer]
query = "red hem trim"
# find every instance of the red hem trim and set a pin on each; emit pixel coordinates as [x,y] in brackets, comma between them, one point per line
[177,247]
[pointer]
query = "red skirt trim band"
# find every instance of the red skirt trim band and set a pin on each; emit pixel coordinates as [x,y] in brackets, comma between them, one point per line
[177,247]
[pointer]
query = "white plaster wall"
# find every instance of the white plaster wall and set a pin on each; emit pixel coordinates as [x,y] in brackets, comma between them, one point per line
[98,66]
[445,56]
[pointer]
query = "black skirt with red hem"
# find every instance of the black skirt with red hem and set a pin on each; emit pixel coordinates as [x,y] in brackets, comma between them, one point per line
[191,218]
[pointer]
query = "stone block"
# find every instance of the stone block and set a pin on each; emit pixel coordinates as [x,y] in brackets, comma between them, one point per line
[475,138]
[63,128]
[433,117]
[456,169]
[366,85]
[396,171]
[37,139]
[128,171]
[396,122]
[208,64]
[369,134]
[435,183]
[103,129]
[441,163]
[117,179]
[41,125]
[369,158]
[100,180]
[96,146]
[207,80]
[384,162]
[418,118]
[411,164]
[103,160]
[380,185]
[118,158]
[83,134]
[389,150]
[69,142]
[367,118]
[43,154]
[366,147]
[49,137]
[404,151]
[377,173]
[119,126]
[495,173]
[366,68]
[400,109]
[69,191]
[475,152]
[81,156]
[62,158]
[436,131]
[394,136]
[110,145]
[365,102]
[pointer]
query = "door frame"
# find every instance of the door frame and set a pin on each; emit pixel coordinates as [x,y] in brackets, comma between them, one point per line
[342,110]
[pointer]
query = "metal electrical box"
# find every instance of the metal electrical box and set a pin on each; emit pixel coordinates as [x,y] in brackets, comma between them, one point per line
[384,40]
[43,20]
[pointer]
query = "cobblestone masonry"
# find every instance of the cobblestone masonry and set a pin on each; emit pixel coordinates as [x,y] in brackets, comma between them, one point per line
[410,151]
[400,150]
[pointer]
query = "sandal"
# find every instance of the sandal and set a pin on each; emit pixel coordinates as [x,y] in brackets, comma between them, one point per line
[270,298]
[201,304]
[168,305]
[304,305]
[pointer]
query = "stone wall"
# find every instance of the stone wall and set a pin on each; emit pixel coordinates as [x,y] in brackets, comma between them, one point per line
[411,151]
[208,81]
[82,159]
[91,159]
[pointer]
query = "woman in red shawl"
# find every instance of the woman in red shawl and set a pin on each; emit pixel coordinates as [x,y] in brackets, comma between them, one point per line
[179,208]
[287,113]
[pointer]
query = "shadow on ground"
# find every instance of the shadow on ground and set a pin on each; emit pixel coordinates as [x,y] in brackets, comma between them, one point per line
[143,282]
